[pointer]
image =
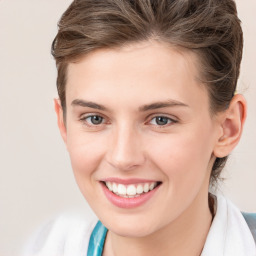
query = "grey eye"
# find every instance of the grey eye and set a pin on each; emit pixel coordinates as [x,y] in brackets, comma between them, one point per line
[95,120]
[161,120]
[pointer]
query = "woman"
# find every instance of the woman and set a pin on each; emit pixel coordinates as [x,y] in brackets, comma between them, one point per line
[148,111]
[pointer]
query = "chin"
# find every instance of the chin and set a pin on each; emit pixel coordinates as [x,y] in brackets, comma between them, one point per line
[132,229]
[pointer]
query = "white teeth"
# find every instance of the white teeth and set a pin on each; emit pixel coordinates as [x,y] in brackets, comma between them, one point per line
[121,189]
[139,189]
[114,187]
[146,187]
[152,186]
[130,191]
[109,185]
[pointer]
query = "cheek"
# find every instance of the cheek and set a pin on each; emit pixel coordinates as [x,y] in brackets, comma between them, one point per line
[85,153]
[184,158]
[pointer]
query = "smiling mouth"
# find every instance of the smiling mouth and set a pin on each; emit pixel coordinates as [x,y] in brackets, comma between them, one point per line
[131,190]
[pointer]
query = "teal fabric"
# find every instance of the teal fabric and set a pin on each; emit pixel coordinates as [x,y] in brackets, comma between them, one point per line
[250,218]
[98,235]
[97,240]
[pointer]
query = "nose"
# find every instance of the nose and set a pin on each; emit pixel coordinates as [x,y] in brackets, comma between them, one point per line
[125,151]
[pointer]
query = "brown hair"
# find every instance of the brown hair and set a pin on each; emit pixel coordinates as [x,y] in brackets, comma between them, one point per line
[210,28]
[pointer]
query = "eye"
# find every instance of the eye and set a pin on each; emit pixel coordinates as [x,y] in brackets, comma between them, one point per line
[93,119]
[161,120]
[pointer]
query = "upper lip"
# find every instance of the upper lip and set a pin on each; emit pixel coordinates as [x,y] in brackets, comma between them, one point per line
[128,181]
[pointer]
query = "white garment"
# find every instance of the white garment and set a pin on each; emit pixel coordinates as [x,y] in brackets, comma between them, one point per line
[229,235]
[68,235]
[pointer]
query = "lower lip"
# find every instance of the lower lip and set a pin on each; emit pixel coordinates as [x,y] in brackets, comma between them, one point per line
[127,203]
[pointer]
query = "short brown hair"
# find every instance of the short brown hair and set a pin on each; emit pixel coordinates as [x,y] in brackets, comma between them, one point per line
[210,28]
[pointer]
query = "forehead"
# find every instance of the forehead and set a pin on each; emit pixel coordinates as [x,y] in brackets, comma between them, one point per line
[142,56]
[151,69]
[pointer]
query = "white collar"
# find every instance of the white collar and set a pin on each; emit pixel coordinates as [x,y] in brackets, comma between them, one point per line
[229,234]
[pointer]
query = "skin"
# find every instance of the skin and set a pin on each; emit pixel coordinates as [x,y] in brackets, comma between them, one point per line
[130,143]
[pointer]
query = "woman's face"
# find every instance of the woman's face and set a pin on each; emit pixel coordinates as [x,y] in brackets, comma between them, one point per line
[138,120]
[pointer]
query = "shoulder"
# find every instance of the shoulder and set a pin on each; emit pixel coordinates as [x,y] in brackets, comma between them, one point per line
[250,219]
[229,231]
[66,235]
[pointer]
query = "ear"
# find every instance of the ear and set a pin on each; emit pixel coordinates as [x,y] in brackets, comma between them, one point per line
[232,123]
[60,119]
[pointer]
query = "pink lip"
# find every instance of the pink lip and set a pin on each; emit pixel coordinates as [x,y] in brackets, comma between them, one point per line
[128,181]
[127,203]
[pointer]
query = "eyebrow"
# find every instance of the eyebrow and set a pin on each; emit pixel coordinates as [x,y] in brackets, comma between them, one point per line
[89,104]
[163,104]
[152,106]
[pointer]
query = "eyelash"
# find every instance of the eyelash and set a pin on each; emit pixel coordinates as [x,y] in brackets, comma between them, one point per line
[84,118]
[170,121]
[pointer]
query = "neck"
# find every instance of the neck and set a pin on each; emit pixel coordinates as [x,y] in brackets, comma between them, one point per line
[184,236]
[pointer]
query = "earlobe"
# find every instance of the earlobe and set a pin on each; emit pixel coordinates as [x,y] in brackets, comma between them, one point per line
[232,123]
[60,119]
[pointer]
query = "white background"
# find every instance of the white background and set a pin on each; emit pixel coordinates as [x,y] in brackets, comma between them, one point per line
[36,180]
